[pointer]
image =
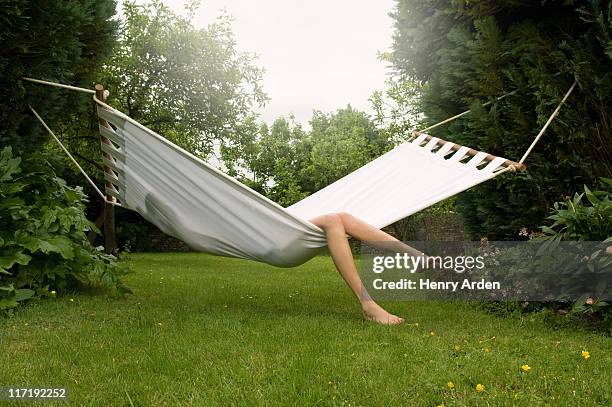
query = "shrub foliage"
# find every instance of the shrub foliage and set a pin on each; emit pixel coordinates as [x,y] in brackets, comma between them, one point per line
[43,247]
[584,217]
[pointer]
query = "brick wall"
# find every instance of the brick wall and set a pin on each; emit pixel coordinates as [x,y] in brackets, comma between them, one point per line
[428,226]
[165,243]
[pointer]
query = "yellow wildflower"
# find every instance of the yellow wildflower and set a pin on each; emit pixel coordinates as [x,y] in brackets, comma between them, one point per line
[585,354]
[432,333]
[441,405]
[525,368]
[480,388]
[72,300]
[487,350]
[457,348]
[450,385]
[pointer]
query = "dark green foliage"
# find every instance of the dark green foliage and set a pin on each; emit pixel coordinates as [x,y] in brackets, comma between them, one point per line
[56,40]
[43,247]
[466,52]
[586,216]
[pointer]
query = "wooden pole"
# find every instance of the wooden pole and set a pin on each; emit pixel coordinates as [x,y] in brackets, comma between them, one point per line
[110,239]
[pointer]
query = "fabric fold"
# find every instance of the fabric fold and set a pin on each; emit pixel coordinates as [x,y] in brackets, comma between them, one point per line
[212,212]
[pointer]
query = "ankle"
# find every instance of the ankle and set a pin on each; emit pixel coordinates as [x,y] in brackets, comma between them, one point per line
[368,304]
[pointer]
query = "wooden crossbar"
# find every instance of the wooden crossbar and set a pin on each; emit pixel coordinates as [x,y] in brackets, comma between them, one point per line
[471,152]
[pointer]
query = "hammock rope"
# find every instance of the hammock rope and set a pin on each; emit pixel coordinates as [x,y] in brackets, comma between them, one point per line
[74,161]
[450,119]
[511,165]
[59,85]
[548,122]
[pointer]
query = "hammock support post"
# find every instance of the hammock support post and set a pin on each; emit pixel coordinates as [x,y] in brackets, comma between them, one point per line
[110,239]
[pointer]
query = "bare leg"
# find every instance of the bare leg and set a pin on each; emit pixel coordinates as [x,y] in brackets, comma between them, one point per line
[336,231]
[367,233]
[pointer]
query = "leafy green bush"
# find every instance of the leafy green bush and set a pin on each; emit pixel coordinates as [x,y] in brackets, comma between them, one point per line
[576,220]
[43,245]
[585,217]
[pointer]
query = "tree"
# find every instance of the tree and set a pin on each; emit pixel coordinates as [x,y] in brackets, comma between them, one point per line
[341,143]
[190,85]
[283,152]
[397,108]
[468,53]
[287,164]
[54,40]
[43,246]
[271,160]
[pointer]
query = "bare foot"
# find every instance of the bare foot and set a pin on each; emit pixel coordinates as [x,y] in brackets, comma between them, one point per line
[374,312]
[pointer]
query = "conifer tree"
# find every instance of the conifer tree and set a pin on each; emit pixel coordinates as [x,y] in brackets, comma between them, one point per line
[469,52]
[56,40]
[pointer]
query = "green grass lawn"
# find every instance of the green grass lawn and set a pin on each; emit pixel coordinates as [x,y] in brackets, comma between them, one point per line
[203,330]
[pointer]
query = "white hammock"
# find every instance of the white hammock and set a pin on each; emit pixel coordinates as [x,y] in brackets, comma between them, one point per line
[212,212]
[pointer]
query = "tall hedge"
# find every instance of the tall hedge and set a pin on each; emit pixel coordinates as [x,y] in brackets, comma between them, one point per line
[57,40]
[467,53]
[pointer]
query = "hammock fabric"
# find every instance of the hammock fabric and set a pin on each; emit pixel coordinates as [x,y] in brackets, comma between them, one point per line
[212,212]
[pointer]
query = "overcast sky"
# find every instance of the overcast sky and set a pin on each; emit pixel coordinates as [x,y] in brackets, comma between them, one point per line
[317,54]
